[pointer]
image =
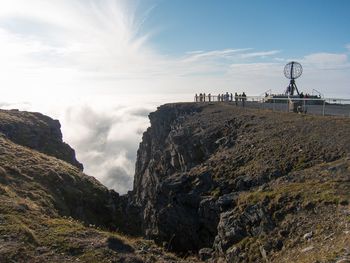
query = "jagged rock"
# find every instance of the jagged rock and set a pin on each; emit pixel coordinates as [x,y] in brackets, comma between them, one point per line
[308,235]
[232,254]
[159,183]
[37,131]
[205,253]
[263,253]
[234,226]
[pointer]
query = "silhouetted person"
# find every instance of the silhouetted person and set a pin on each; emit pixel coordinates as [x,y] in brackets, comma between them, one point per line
[200,97]
[231,97]
[196,97]
[244,97]
[204,97]
[236,98]
[209,97]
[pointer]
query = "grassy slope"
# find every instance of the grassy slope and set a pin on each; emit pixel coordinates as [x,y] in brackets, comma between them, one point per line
[313,200]
[36,131]
[34,192]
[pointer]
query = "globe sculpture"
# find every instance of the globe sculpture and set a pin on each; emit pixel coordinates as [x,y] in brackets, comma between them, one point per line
[292,71]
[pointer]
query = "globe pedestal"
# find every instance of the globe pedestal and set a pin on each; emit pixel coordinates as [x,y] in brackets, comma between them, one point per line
[292,88]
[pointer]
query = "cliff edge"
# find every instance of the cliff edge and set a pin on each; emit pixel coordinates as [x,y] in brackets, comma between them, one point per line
[38,132]
[220,182]
[245,185]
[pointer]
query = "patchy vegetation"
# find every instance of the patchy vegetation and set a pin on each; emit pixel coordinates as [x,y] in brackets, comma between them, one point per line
[51,212]
[221,182]
[246,185]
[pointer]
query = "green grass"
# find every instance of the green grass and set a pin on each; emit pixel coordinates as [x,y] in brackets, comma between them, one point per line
[306,192]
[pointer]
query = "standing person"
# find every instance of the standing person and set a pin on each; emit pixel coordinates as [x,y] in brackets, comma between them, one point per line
[231,97]
[204,97]
[219,97]
[209,97]
[196,97]
[236,98]
[244,97]
[200,97]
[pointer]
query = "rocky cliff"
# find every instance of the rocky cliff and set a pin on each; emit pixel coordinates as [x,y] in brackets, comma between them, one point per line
[241,185]
[38,132]
[52,212]
[216,181]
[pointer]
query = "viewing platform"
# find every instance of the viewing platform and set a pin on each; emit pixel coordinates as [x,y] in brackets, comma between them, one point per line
[306,105]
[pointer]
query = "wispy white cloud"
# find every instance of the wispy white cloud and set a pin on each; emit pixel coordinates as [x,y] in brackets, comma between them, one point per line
[261,54]
[214,54]
[72,42]
[327,61]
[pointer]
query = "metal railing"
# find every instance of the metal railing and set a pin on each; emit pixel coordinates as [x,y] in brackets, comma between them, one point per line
[316,106]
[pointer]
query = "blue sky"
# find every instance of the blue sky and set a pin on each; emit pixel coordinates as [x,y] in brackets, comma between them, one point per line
[99,66]
[297,28]
[172,46]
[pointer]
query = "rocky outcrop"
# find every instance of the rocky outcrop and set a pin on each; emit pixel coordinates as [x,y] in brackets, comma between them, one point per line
[57,187]
[38,132]
[230,182]
[52,212]
[167,195]
[27,142]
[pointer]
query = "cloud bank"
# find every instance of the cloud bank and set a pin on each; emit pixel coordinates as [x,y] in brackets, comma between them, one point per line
[107,139]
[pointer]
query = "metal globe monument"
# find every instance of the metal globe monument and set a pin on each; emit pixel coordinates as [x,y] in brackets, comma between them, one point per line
[292,71]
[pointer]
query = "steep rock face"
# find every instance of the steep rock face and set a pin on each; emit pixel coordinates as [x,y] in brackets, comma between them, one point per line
[37,131]
[231,180]
[162,185]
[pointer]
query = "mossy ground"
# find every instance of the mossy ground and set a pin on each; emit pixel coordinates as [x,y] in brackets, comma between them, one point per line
[315,200]
[296,167]
[39,196]
[28,236]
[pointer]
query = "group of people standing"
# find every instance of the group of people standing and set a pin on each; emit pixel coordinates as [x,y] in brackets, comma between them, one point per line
[203,98]
[227,97]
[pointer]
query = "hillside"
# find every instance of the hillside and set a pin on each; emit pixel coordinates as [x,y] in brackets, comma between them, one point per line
[49,210]
[225,183]
[37,131]
[244,185]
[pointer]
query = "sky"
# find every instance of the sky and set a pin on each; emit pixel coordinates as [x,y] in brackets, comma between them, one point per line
[100,66]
